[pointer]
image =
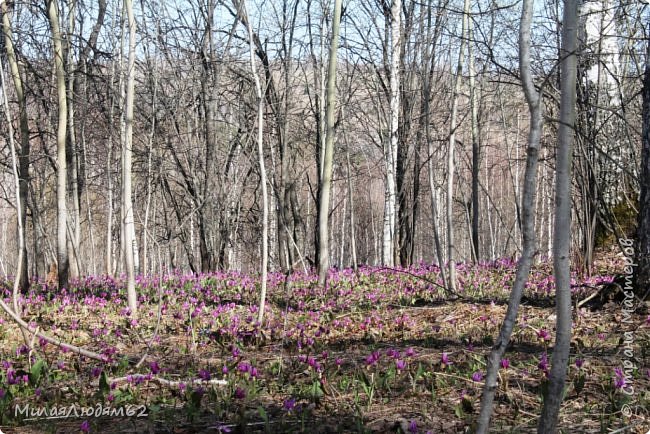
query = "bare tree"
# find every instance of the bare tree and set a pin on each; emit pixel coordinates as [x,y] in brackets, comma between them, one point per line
[23,157]
[642,272]
[562,234]
[476,149]
[328,158]
[390,153]
[62,171]
[451,167]
[19,203]
[129,245]
[242,13]
[528,219]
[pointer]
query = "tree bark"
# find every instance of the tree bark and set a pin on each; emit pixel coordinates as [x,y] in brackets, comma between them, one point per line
[528,219]
[389,251]
[450,157]
[19,205]
[260,154]
[562,234]
[642,272]
[24,151]
[62,170]
[328,157]
[128,224]
[353,241]
[476,148]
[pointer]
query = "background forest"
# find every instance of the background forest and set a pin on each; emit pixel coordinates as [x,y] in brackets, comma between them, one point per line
[195,178]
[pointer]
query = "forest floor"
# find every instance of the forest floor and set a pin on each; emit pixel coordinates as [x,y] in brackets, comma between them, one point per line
[380,350]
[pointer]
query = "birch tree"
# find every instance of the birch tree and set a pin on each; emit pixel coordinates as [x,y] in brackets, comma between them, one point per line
[533,100]
[129,246]
[390,152]
[562,233]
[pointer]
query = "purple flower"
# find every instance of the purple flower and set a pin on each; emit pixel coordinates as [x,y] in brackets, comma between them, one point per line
[289,404]
[543,335]
[338,361]
[410,352]
[477,376]
[372,358]
[413,427]
[543,363]
[85,426]
[153,366]
[204,374]
[619,380]
[444,360]
[240,393]
[224,370]
[579,363]
[505,363]
[401,364]
[243,367]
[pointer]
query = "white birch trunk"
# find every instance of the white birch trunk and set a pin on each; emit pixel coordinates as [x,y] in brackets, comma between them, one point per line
[128,225]
[390,154]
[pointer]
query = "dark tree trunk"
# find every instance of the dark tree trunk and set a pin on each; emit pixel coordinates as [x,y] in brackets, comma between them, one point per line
[642,274]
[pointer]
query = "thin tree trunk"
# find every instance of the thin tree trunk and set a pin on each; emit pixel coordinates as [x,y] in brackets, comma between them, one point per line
[389,242]
[62,171]
[19,205]
[260,154]
[529,243]
[642,272]
[128,225]
[562,235]
[71,153]
[353,242]
[450,157]
[23,157]
[476,150]
[328,159]
[91,229]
